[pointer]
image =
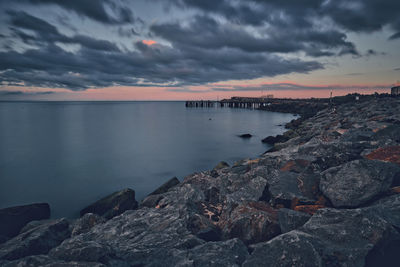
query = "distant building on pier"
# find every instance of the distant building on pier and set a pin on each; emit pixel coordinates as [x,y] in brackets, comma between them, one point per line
[396,90]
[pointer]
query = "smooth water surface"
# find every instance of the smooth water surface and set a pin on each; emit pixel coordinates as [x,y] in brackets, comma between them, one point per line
[70,154]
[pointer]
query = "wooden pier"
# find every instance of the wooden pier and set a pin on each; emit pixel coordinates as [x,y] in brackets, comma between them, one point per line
[234,102]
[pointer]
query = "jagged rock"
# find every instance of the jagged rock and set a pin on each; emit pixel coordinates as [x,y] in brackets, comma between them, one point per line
[221,165]
[390,132]
[36,241]
[330,238]
[166,186]
[290,220]
[113,205]
[85,223]
[357,182]
[14,218]
[43,260]
[225,253]
[203,228]
[291,249]
[151,201]
[251,222]
[387,154]
[245,136]
[284,187]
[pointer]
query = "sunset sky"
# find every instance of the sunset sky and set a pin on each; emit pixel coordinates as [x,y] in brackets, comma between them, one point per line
[196,49]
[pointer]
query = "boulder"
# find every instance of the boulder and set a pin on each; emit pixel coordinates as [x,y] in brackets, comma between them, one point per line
[38,240]
[13,219]
[113,205]
[85,223]
[290,220]
[166,186]
[357,182]
[221,165]
[251,222]
[151,201]
[275,139]
[329,238]
[291,249]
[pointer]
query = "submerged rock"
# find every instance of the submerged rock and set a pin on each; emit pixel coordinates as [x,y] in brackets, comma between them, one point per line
[13,219]
[275,139]
[113,205]
[357,182]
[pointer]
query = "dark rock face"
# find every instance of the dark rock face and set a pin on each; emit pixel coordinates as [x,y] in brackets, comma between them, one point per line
[13,219]
[36,241]
[166,186]
[85,223]
[151,201]
[113,205]
[245,136]
[290,220]
[355,183]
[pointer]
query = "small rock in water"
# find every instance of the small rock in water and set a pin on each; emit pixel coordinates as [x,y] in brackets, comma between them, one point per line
[245,136]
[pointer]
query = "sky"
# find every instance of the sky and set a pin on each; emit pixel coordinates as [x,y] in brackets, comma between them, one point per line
[196,49]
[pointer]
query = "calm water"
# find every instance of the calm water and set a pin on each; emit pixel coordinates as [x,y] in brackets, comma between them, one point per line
[70,154]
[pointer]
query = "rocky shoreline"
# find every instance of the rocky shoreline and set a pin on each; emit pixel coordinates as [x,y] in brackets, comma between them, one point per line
[326,195]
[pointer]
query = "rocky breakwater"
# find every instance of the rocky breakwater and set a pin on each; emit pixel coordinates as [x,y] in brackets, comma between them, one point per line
[328,196]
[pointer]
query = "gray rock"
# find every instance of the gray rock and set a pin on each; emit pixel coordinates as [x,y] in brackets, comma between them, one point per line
[290,219]
[227,253]
[151,201]
[291,249]
[357,182]
[251,222]
[85,223]
[166,186]
[43,260]
[36,241]
[330,238]
[13,219]
[113,205]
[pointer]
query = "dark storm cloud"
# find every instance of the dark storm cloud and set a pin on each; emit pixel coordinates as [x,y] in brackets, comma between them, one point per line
[357,15]
[221,40]
[100,63]
[205,32]
[98,10]
[47,33]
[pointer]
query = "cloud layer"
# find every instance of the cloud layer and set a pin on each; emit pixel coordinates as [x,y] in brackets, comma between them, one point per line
[211,41]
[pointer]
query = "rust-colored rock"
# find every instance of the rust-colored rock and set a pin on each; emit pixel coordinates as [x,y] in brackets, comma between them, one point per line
[310,209]
[297,165]
[395,190]
[387,154]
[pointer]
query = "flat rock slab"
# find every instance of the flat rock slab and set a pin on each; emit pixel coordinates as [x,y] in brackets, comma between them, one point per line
[13,219]
[357,182]
[113,205]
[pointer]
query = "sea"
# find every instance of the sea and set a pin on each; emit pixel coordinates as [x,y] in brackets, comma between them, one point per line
[70,154]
